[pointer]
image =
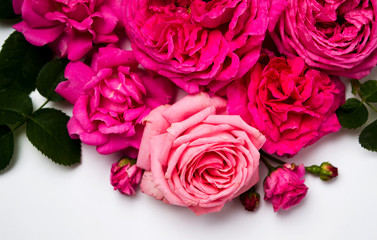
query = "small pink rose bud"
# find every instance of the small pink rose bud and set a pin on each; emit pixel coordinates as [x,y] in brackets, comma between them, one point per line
[325,172]
[328,171]
[285,186]
[125,176]
[250,199]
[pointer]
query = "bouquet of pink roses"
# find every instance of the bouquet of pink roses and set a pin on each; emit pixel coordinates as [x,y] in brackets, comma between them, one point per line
[194,94]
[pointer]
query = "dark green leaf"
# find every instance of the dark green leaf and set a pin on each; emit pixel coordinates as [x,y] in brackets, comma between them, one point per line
[6,10]
[47,131]
[352,114]
[20,63]
[368,137]
[368,91]
[49,77]
[6,146]
[14,106]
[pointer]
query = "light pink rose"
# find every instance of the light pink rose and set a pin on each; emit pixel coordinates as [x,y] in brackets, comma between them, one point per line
[336,36]
[110,100]
[291,105]
[199,44]
[69,27]
[197,157]
[285,186]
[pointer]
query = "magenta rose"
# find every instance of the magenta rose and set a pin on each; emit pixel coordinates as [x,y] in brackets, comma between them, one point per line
[17,4]
[110,99]
[339,37]
[199,44]
[69,27]
[197,157]
[285,186]
[125,176]
[291,105]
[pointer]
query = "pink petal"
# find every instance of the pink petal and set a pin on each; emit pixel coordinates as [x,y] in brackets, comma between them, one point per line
[78,74]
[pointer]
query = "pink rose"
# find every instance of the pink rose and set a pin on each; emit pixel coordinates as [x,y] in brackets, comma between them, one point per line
[285,186]
[339,37]
[111,99]
[291,105]
[199,44]
[197,157]
[69,27]
[17,4]
[125,176]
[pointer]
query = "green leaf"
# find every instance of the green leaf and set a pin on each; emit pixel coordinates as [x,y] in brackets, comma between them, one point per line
[14,107]
[20,63]
[352,114]
[368,137]
[368,91]
[6,10]
[47,131]
[6,146]
[49,77]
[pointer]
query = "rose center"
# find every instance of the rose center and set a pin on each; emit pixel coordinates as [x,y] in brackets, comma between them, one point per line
[340,20]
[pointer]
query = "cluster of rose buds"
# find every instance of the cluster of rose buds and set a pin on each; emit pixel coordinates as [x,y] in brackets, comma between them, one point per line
[284,186]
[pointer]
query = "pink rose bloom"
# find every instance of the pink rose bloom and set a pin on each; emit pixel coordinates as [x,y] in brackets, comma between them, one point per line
[285,186]
[125,176]
[199,44]
[339,37]
[291,105]
[110,100]
[69,27]
[17,4]
[197,157]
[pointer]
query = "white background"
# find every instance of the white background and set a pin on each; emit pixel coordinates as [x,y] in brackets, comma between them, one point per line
[42,200]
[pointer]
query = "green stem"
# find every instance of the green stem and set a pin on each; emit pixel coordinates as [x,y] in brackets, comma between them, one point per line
[371,106]
[357,87]
[272,157]
[27,116]
[44,104]
[314,169]
[18,126]
[268,165]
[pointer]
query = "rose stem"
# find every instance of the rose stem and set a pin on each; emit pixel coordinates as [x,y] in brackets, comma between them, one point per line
[19,125]
[272,157]
[357,84]
[268,165]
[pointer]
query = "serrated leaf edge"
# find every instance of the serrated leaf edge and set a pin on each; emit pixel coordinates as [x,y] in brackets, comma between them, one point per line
[66,165]
[10,160]
[363,145]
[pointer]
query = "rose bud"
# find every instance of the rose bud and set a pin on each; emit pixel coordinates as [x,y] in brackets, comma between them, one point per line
[328,171]
[325,172]
[285,186]
[250,199]
[125,176]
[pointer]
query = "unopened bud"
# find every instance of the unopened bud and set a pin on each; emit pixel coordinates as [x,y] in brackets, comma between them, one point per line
[328,171]
[325,171]
[125,176]
[250,199]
